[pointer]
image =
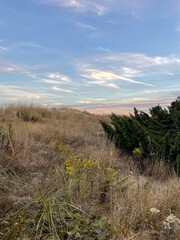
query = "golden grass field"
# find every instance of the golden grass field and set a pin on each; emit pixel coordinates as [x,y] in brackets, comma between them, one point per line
[60,178]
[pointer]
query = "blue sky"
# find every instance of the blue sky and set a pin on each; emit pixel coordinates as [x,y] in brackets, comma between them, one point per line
[103,56]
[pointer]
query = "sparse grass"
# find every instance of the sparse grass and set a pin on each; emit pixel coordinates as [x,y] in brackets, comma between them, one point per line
[61,179]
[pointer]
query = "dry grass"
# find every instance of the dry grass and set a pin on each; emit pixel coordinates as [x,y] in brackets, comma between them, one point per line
[61,179]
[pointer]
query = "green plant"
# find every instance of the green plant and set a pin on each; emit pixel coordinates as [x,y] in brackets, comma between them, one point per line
[156,133]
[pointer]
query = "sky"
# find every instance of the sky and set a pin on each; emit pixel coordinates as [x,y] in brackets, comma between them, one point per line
[102,56]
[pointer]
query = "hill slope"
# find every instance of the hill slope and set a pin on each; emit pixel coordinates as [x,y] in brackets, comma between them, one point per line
[61,179]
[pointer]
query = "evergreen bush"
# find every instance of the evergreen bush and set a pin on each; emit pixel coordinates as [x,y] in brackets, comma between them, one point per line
[156,133]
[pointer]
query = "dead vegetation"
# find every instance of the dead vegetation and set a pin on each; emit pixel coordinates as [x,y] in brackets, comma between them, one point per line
[61,179]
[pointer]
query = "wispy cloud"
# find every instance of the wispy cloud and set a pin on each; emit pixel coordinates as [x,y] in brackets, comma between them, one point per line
[79,5]
[100,7]
[13,92]
[102,49]
[3,48]
[53,80]
[104,76]
[50,81]
[26,44]
[113,70]
[99,75]
[62,89]
[26,47]
[104,84]
[87,26]
[11,68]
[91,100]
[35,73]
[127,65]
[140,60]
[130,72]
[59,77]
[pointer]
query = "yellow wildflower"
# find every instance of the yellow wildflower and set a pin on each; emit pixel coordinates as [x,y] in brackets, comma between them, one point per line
[63,149]
[111,173]
[4,222]
[70,170]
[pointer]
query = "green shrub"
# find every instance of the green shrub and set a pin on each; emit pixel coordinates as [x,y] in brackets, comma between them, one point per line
[157,134]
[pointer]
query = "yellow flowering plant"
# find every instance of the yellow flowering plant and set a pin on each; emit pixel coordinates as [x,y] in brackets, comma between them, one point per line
[137,152]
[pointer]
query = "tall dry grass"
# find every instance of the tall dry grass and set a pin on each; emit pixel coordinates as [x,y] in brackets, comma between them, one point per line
[61,179]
